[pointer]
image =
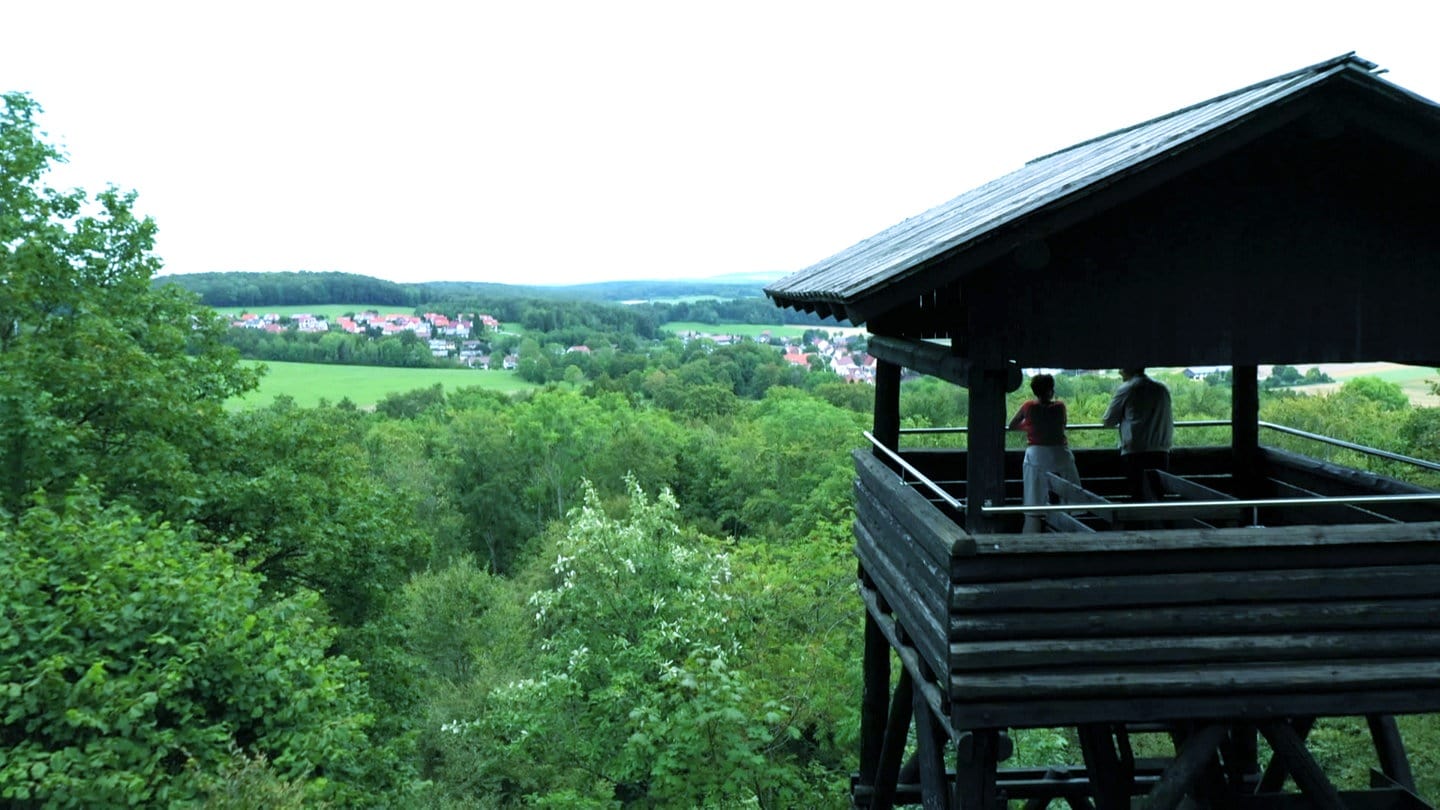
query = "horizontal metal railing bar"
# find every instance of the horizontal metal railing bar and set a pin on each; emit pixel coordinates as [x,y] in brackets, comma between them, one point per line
[1304,434]
[1163,506]
[1086,426]
[919,477]
[1359,448]
[1252,503]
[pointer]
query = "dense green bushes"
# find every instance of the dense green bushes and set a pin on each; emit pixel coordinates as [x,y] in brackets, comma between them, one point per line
[133,660]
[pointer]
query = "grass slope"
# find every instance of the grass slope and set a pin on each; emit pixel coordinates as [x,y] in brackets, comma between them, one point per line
[308,383]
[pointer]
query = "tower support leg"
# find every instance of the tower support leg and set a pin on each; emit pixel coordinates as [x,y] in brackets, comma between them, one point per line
[977,756]
[1394,762]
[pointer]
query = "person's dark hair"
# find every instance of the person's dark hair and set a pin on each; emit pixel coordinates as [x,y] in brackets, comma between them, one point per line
[1133,372]
[1044,386]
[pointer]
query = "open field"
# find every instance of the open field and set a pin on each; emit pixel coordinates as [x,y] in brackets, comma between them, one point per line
[309,383]
[753,330]
[330,311]
[1415,380]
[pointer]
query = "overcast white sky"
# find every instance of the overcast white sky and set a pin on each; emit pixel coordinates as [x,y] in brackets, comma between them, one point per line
[562,142]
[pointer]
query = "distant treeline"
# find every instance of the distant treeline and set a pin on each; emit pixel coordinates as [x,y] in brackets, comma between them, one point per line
[736,311]
[592,306]
[289,289]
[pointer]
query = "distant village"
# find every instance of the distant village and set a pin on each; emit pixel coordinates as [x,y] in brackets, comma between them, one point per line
[456,338]
[446,336]
[834,352]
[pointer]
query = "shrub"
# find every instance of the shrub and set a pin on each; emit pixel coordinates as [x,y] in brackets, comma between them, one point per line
[134,661]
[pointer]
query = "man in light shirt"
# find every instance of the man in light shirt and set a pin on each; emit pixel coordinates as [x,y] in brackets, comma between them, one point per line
[1141,409]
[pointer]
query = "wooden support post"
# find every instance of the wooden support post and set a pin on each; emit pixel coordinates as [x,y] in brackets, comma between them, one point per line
[872,702]
[897,730]
[887,404]
[1390,749]
[977,757]
[1290,748]
[985,461]
[1245,430]
[930,744]
[1192,760]
[910,771]
[1242,756]
[1273,779]
[1111,769]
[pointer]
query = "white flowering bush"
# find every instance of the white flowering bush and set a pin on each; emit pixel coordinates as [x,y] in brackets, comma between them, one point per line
[633,696]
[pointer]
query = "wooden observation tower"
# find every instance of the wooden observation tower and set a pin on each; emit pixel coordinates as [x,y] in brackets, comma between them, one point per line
[1293,221]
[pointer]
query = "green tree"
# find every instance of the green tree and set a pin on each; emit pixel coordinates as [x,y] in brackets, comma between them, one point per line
[790,469]
[1282,376]
[413,403]
[1389,396]
[135,662]
[101,376]
[301,507]
[456,620]
[489,479]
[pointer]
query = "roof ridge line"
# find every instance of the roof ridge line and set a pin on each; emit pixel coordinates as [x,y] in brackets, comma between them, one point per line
[1318,68]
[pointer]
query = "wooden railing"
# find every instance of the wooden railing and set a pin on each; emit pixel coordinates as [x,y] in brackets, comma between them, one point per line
[1063,629]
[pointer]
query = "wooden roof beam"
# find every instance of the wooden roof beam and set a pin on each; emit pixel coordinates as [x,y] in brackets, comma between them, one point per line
[934,360]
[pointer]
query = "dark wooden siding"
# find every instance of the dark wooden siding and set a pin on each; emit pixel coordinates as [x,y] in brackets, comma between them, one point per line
[1261,622]
[1295,250]
[1061,629]
[906,547]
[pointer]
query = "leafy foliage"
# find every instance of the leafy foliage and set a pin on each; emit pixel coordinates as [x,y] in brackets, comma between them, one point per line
[133,659]
[299,505]
[100,376]
[1387,395]
[636,669]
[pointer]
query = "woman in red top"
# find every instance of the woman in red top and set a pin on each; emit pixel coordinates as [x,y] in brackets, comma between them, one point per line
[1043,420]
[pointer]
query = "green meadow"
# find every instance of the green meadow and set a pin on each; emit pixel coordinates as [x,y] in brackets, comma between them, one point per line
[308,383]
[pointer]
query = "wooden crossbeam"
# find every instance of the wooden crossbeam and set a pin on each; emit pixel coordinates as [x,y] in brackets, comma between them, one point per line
[1288,745]
[897,728]
[934,360]
[1342,513]
[1187,490]
[1063,521]
[1190,763]
[1071,493]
